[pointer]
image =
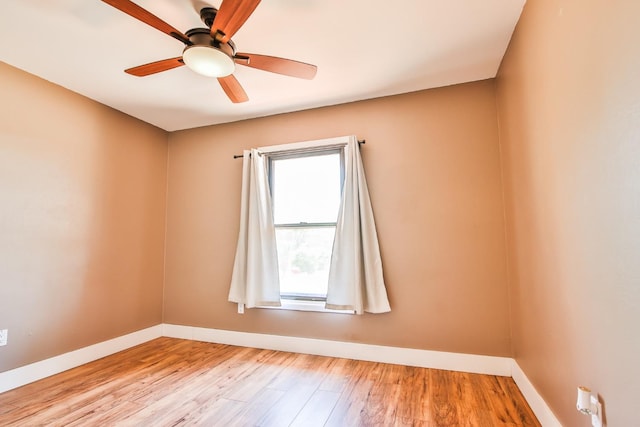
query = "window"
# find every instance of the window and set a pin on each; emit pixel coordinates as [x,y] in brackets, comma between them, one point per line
[290,253]
[306,192]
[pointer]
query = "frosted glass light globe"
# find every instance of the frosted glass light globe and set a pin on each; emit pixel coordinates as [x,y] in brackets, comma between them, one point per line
[208,61]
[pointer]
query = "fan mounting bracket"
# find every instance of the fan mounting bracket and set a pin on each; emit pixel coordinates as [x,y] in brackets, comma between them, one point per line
[208,15]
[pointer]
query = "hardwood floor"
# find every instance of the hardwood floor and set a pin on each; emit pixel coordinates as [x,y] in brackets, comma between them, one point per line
[172,382]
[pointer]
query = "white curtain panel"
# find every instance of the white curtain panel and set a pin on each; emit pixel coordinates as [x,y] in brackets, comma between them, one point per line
[255,280]
[355,275]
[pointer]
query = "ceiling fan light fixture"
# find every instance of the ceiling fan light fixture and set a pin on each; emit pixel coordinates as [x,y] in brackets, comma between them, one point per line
[208,61]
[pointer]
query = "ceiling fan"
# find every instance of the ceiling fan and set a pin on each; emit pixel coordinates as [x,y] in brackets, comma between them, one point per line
[210,51]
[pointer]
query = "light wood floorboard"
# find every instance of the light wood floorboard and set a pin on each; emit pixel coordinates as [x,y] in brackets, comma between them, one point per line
[173,382]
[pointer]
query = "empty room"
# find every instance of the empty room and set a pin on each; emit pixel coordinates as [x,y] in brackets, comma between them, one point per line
[319,213]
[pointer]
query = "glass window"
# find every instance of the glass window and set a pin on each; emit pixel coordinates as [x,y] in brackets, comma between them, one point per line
[306,193]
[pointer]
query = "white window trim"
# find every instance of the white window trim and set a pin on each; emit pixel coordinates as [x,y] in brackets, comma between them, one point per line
[306,305]
[320,143]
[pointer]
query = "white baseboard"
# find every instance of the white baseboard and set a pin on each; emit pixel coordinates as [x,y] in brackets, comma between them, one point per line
[491,365]
[533,398]
[36,371]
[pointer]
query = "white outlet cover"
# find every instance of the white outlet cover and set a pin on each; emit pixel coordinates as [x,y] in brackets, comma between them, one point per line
[4,336]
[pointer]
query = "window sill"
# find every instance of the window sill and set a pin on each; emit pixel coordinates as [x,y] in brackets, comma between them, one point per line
[301,305]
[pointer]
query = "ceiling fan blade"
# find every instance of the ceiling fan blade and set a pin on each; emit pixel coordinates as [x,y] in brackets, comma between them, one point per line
[230,17]
[148,18]
[232,88]
[155,67]
[288,67]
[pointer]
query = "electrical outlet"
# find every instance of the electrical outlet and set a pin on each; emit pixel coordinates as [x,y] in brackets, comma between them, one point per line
[4,336]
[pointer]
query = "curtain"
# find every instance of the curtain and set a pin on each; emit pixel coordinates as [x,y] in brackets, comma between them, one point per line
[255,280]
[355,276]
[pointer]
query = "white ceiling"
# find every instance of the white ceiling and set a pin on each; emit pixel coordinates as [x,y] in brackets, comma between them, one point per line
[363,49]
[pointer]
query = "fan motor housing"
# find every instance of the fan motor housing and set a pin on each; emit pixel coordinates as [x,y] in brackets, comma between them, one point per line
[202,37]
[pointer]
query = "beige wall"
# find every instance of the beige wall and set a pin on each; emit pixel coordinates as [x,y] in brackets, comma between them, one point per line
[569,112]
[433,166]
[82,213]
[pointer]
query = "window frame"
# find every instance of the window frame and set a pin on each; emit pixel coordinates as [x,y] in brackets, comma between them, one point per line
[298,153]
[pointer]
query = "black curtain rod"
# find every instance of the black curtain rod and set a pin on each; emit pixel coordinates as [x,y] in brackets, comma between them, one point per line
[238,156]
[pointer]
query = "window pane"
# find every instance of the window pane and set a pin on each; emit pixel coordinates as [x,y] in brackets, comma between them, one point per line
[304,255]
[306,189]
